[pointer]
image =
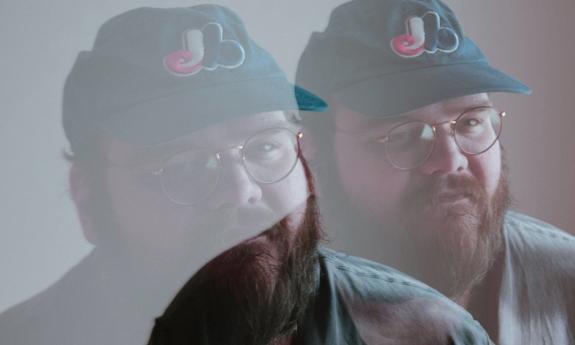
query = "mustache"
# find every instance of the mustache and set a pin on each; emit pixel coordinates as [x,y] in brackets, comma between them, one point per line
[435,189]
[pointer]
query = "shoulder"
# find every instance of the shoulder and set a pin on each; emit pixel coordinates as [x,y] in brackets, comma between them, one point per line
[532,235]
[48,317]
[368,277]
[540,269]
[33,320]
[387,305]
[539,249]
[531,226]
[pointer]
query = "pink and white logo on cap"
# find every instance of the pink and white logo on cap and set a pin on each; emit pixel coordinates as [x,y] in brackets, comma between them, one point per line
[204,49]
[425,34]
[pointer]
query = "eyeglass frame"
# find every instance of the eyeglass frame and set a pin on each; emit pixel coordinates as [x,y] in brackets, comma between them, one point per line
[218,154]
[434,126]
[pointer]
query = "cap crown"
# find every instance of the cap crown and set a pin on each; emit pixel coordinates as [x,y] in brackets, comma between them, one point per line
[157,73]
[400,48]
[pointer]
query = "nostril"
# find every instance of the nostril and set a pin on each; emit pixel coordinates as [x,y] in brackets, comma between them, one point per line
[253,199]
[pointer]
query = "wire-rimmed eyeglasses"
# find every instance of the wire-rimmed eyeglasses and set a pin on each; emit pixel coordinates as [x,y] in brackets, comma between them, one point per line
[408,145]
[268,156]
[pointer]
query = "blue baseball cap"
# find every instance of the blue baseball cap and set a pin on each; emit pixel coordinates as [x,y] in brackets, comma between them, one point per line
[387,57]
[155,74]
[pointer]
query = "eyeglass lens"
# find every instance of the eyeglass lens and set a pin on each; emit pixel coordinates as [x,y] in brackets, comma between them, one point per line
[270,155]
[475,131]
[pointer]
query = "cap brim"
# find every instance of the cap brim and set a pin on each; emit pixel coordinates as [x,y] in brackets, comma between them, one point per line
[166,118]
[307,101]
[393,94]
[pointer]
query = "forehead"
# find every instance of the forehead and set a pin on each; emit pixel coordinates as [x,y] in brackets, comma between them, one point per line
[229,132]
[348,119]
[220,135]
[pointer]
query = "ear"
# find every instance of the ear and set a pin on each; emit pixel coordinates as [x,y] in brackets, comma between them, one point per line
[82,193]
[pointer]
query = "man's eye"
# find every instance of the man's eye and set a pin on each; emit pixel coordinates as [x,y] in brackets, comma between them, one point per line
[267,147]
[263,150]
[472,125]
[408,135]
[191,161]
[402,139]
[472,122]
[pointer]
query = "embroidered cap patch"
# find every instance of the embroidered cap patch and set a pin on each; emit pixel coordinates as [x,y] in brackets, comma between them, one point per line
[425,34]
[204,49]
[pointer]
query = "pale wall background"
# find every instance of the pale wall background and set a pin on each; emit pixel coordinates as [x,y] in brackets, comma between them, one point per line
[39,234]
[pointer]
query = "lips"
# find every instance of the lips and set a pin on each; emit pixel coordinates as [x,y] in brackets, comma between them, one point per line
[455,200]
[450,197]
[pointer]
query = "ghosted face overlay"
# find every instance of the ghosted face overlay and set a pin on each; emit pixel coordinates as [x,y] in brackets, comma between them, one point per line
[131,214]
[253,293]
[443,200]
[238,192]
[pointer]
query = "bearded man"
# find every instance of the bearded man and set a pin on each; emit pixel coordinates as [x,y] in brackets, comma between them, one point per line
[186,162]
[409,156]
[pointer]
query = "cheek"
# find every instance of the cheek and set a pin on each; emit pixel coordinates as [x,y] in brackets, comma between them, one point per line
[486,168]
[146,219]
[287,196]
[369,181]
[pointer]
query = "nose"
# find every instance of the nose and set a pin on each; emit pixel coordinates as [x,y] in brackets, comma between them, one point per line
[235,186]
[446,156]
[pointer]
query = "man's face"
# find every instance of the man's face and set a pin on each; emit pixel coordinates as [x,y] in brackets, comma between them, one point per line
[257,238]
[151,227]
[445,205]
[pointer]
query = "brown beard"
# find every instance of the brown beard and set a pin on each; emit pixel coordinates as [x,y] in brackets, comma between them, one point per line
[455,247]
[249,295]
